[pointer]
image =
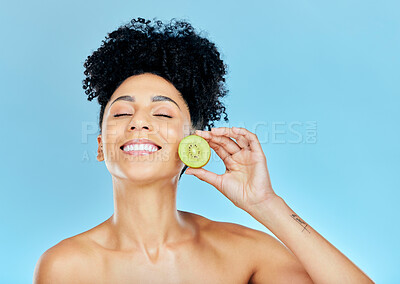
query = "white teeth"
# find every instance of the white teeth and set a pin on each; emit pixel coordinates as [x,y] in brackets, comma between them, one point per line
[140,147]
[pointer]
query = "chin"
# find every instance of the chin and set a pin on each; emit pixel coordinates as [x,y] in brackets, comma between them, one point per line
[145,167]
[136,172]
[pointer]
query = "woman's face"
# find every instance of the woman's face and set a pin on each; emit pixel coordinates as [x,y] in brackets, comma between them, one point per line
[152,108]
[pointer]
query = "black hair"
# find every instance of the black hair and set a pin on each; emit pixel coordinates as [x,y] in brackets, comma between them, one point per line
[171,50]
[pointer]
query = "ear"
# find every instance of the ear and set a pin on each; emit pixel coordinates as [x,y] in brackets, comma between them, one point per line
[100,154]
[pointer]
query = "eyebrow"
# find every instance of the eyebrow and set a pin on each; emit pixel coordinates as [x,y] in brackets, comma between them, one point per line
[153,99]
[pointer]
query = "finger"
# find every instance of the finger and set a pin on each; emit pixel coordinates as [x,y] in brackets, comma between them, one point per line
[228,132]
[207,176]
[243,143]
[240,140]
[230,146]
[221,151]
[223,154]
[250,137]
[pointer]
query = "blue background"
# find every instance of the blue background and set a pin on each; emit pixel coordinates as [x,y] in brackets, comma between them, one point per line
[317,81]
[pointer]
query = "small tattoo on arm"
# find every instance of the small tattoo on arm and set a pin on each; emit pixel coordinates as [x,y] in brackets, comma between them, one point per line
[301,222]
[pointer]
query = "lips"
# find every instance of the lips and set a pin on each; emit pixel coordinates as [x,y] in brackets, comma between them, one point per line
[139,141]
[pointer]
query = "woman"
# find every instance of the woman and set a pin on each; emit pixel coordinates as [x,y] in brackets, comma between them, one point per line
[157,83]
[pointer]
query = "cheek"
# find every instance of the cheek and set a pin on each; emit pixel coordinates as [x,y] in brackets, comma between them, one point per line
[109,131]
[113,132]
[174,134]
[178,133]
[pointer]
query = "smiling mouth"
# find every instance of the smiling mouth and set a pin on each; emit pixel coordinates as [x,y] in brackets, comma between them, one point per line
[140,149]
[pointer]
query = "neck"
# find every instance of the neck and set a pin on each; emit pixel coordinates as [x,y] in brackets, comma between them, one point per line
[145,214]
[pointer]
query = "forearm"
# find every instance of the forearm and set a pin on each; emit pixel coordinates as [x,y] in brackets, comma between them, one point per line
[323,262]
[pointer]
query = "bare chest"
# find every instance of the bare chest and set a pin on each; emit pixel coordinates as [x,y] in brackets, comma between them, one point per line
[206,266]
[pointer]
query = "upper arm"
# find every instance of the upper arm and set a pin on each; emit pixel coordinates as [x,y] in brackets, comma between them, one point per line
[56,265]
[275,263]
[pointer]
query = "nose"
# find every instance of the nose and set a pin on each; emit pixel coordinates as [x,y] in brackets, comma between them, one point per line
[140,121]
[139,127]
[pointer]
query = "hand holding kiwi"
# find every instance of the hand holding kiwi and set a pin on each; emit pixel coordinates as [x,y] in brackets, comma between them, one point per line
[246,180]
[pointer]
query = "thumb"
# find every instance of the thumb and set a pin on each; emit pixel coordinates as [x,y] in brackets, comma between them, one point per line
[204,175]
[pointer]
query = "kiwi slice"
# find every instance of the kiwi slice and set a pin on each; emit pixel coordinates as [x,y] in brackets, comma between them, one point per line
[194,151]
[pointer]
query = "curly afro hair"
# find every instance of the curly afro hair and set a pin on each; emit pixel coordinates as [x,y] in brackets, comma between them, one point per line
[171,50]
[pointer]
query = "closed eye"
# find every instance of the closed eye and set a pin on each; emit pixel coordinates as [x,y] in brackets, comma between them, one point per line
[163,115]
[124,114]
[121,114]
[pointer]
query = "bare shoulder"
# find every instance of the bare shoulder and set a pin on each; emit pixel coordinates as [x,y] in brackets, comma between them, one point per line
[233,231]
[270,260]
[273,261]
[60,263]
